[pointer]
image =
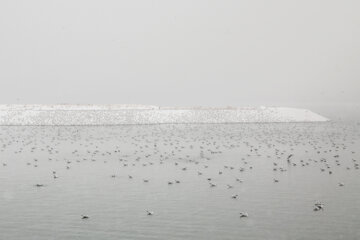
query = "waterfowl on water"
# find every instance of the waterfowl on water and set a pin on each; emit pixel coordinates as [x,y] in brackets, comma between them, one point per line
[244,215]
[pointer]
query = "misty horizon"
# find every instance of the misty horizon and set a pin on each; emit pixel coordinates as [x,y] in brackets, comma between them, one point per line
[278,53]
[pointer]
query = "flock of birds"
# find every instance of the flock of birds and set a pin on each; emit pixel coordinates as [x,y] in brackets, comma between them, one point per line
[186,147]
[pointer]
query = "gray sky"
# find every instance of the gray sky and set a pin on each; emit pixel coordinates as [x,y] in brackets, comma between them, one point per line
[188,52]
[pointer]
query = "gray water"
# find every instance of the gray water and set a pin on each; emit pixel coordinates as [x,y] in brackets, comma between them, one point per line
[86,158]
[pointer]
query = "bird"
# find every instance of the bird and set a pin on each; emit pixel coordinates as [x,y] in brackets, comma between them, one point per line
[84,217]
[288,158]
[318,206]
[244,215]
[235,196]
[149,213]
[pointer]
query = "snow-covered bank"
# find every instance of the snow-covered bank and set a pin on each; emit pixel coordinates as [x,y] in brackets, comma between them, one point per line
[139,114]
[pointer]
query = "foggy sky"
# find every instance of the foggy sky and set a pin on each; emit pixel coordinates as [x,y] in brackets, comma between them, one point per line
[180,53]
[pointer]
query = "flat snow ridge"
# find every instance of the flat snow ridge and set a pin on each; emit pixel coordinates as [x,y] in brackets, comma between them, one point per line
[142,114]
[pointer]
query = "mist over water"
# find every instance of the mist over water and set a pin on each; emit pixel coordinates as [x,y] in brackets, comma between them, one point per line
[275,181]
[337,112]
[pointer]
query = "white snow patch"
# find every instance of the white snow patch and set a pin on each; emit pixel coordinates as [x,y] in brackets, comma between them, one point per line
[143,114]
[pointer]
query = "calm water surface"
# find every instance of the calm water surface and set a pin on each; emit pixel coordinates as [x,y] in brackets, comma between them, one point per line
[93,165]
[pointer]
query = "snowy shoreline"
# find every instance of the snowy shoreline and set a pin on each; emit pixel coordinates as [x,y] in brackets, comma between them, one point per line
[63,114]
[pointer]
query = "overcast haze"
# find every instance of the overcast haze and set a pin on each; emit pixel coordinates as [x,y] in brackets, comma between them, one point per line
[171,53]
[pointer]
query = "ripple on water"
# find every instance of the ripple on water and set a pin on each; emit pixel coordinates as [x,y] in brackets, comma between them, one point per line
[190,209]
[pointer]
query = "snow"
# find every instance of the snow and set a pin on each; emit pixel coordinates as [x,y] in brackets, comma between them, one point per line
[143,114]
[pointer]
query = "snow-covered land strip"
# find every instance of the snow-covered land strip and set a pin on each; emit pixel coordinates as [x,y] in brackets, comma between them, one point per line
[138,114]
[70,107]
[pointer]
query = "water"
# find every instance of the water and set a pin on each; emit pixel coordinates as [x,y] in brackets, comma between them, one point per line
[190,209]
